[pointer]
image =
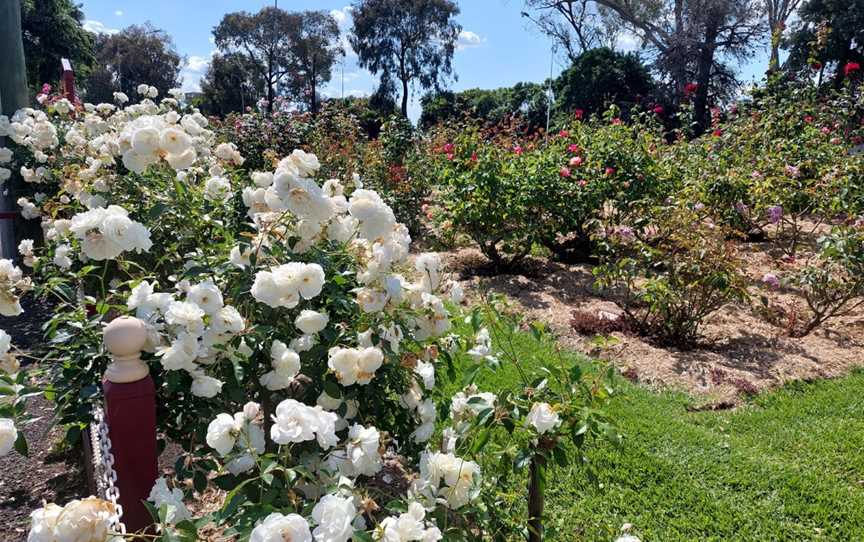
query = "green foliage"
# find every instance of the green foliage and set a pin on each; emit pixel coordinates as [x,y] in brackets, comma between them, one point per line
[523,103]
[52,30]
[600,77]
[671,273]
[508,194]
[828,35]
[231,84]
[527,368]
[779,158]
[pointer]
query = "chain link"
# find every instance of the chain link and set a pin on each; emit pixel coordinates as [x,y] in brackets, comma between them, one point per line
[103,467]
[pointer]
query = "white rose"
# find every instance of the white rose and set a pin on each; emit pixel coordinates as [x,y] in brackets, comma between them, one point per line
[311,322]
[207,296]
[279,528]
[217,189]
[206,386]
[145,140]
[542,418]
[8,436]
[335,517]
[222,434]
[160,495]
[306,163]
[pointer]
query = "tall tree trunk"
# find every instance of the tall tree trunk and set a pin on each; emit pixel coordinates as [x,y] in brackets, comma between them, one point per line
[313,102]
[774,60]
[13,96]
[703,79]
[405,97]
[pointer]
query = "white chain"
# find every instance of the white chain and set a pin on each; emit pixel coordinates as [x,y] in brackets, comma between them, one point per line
[103,467]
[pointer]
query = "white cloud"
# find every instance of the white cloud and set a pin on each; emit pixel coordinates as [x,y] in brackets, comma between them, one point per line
[468,39]
[193,70]
[344,19]
[119,13]
[97,27]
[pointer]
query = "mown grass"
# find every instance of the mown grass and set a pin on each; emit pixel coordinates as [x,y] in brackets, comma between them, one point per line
[789,465]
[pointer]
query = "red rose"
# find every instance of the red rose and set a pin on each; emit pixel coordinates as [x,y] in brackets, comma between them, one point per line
[564,133]
[574,148]
[691,88]
[610,171]
[658,110]
[851,67]
[579,113]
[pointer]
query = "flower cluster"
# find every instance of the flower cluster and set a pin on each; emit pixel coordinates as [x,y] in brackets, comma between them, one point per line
[86,519]
[188,335]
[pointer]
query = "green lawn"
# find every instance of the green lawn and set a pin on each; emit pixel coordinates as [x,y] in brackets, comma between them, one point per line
[788,466]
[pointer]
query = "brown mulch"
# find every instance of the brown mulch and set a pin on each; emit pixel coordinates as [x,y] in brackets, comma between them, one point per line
[740,354]
[25,482]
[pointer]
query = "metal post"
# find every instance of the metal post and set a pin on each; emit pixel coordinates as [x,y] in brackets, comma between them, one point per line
[13,96]
[130,401]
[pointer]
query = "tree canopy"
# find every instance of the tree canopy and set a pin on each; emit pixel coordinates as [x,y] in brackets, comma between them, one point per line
[137,54]
[52,30]
[411,41]
[828,36]
[691,41]
[315,47]
[231,83]
[293,52]
[599,77]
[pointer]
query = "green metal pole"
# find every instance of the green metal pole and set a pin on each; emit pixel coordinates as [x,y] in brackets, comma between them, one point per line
[13,96]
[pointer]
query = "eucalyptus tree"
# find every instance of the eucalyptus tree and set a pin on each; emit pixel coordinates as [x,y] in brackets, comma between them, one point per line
[411,41]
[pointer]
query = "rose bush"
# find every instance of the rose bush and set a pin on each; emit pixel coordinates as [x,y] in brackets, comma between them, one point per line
[509,194]
[293,344]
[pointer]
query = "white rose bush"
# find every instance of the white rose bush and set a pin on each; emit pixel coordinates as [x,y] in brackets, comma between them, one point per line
[295,344]
[285,323]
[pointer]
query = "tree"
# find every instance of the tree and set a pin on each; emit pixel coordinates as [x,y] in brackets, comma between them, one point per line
[231,83]
[574,24]
[52,30]
[778,12]
[600,77]
[690,40]
[315,47]
[409,40]
[136,55]
[266,38]
[829,34]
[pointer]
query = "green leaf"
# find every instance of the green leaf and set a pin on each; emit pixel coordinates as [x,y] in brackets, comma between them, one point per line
[199,481]
[21,445]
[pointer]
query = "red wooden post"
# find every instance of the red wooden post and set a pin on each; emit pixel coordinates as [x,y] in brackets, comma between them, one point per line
[130,401]
[68,81]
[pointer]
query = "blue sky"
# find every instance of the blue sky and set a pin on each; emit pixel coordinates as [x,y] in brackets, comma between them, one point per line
[497,46]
